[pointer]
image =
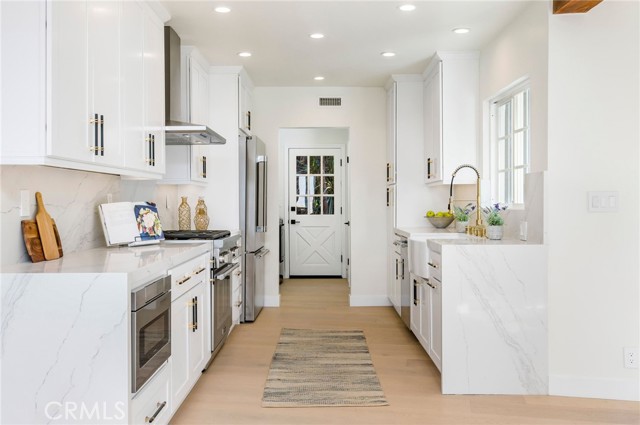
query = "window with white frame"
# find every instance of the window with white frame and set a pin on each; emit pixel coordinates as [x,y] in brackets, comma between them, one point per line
[510,158]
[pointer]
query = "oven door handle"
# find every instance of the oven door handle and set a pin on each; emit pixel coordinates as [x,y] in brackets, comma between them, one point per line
[227,272]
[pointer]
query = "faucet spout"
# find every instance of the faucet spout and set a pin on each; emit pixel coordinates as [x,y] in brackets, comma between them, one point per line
[479,229]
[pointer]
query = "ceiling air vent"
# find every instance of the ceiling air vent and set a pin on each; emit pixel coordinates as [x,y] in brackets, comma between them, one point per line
[330,101]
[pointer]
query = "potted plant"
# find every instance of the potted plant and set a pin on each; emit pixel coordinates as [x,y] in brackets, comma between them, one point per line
[462,216]
[494,220]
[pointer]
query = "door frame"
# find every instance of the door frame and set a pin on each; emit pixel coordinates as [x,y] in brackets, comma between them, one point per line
[345,195]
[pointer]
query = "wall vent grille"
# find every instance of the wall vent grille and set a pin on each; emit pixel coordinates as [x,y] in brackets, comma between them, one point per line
[330,101]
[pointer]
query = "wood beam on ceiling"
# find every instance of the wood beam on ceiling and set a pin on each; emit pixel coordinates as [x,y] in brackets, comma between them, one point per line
[573,6]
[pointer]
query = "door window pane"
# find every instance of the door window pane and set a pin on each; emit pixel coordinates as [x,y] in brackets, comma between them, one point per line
[327,162]
[314,185]
[314,165]
[327,205]
[327,185]
[301,165]
[315,205]
[302,205]
[301,185]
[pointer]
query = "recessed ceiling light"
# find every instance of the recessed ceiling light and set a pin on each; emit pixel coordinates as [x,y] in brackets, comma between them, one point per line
[407,8]
[318,78]
[461,30]
[244,54]
[388,54]
[222,9]
[316,35]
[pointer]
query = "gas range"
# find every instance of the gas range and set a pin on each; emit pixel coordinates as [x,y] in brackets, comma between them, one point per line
[221,239]
[195,234]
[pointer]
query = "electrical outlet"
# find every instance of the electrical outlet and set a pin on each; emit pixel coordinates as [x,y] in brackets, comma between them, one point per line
[631,357]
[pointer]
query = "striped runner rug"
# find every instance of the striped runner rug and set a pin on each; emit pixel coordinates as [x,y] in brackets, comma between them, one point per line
[322,368]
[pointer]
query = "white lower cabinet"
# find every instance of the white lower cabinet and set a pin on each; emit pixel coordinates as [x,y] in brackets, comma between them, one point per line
[426,316]
[189,346]
[152,404]
[190,325]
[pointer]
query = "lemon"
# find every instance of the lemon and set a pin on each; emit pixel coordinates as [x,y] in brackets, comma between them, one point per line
[440,214]
[430,213]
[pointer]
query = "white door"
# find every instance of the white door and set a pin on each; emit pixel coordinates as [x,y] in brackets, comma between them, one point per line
[315,212]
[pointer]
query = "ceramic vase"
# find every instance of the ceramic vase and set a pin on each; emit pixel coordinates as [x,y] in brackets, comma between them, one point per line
[201,219]
[461,226]
[494,232]
[184,215]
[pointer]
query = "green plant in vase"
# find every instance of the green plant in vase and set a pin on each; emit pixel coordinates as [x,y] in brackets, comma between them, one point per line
[462,216]
[494,220]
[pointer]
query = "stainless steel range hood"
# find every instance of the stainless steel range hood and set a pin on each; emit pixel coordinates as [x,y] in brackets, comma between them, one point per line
[178,132]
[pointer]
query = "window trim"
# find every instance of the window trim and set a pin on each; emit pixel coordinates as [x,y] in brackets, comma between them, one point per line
[503,97]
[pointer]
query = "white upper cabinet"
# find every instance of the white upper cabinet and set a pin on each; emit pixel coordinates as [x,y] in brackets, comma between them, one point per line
[90,80]
[142,85]
[245,102]
[450,115]
[187,164]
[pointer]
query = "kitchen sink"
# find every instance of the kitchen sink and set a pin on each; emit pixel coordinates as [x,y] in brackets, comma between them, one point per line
[419,252]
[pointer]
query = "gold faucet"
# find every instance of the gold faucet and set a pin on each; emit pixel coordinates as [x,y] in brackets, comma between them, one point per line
[479,229]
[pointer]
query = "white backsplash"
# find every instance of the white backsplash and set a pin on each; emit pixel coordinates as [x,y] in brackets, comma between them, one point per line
[72,197]
[532,214]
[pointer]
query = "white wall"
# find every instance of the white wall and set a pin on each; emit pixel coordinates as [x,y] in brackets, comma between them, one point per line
[593,145]
[520,50]
[363,113]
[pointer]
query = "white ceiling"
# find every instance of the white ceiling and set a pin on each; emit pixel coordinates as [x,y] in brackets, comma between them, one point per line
[356,32]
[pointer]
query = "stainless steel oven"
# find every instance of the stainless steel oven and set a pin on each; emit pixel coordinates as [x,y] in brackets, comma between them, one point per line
[150,330]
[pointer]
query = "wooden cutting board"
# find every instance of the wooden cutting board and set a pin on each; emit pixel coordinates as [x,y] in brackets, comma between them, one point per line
[45,230]
[32,240]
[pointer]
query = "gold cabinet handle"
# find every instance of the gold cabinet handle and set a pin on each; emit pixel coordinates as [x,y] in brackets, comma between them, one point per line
[435,266]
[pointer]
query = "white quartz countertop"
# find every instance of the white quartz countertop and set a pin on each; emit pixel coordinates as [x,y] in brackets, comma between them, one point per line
[474,240]
[140,263]
[426,230]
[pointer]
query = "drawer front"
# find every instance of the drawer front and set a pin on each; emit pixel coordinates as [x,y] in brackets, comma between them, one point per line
[435,265]
[189,274]
[152,403]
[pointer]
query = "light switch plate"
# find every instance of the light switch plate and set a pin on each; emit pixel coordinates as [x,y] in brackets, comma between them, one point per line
[603,201]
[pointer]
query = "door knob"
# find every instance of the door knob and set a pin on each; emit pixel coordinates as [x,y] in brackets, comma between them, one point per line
[294,222]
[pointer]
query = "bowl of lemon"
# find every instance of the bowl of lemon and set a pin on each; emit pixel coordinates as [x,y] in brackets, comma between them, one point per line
[439,220]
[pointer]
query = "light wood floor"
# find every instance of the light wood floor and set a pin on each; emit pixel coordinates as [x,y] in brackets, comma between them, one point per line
[230,391]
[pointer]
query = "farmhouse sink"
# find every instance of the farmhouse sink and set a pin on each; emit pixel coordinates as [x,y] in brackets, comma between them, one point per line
[419,252]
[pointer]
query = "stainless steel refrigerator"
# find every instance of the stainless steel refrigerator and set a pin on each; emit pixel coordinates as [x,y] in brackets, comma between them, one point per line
[253,222]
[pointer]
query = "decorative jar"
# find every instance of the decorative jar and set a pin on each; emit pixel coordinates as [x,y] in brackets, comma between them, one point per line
[184,215]
[201,219]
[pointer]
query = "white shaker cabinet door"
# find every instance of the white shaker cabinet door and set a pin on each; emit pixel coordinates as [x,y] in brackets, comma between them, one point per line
[198,346]
[69,127]
[181,322]
[435,349]
[104,78]
[154,90]
[132,83]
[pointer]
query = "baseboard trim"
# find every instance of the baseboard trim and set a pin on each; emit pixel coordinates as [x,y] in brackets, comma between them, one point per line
[607,388]
[368,301]
[272,300]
